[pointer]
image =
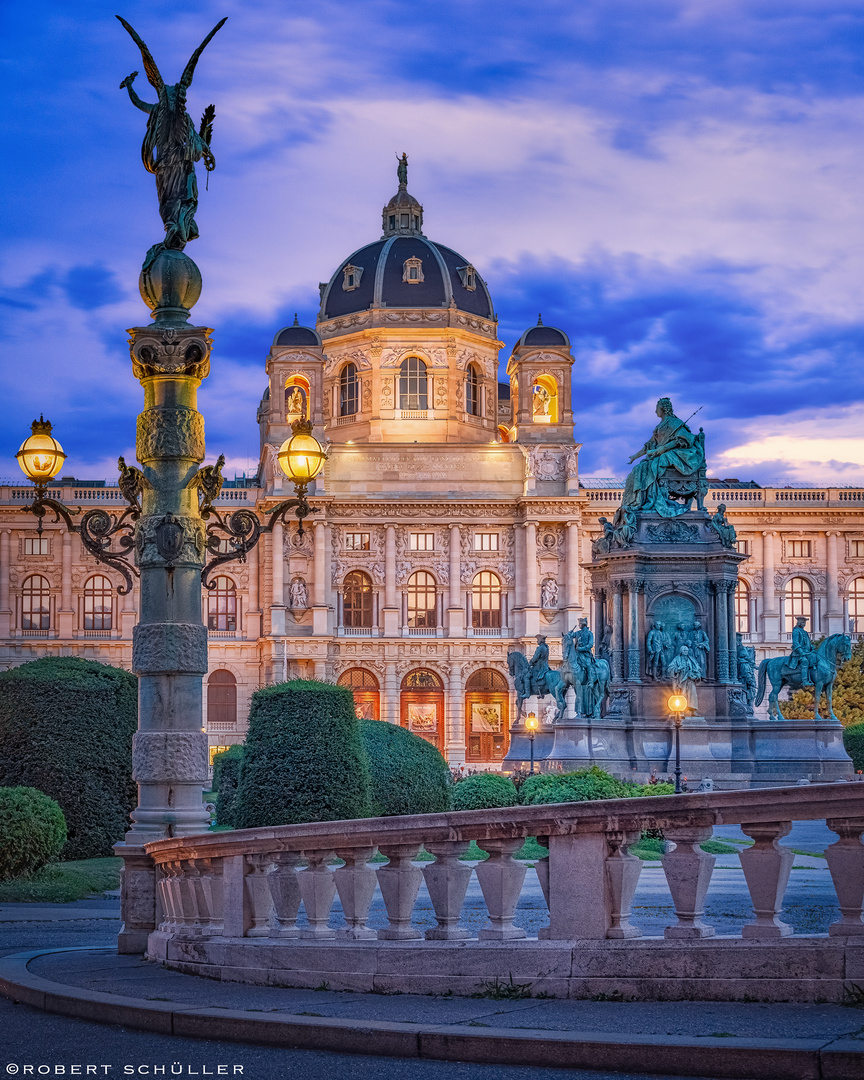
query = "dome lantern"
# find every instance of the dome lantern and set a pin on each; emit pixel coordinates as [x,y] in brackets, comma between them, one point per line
[403,215]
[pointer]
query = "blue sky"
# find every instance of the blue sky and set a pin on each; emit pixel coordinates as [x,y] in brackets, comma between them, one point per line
[676,184]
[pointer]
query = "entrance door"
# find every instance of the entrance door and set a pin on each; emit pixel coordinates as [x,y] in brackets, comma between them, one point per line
[487,716]
[422,706]
[364,687]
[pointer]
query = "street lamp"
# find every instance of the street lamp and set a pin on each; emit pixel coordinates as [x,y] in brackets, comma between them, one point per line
[677,705]
[41,457]
[531,725]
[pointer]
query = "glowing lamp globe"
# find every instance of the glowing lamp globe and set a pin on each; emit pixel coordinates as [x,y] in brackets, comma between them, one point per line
[677,703]
[531,721]
[41,457]
[301,457]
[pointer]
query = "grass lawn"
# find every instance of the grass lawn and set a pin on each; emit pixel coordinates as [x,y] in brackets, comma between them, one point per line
[61,882]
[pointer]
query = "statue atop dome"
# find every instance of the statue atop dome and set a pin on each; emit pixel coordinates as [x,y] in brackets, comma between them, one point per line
[402,170]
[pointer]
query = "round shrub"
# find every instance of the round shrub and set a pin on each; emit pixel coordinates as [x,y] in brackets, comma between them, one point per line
[226,777]
[579,786]
[303,759]
[484,791]
[853,740]
[407,774]
[32,831]
[66,728]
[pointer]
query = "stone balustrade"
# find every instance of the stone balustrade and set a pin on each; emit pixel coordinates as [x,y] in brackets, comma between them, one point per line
[233,899]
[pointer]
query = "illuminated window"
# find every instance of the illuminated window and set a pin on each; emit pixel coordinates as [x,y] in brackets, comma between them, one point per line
[855,600]
[799,601]
[36,604]
[413,384]
[742,607]
[486,600]
[221,698]
[357,600]
[800,549]
[356,541]
[222,606]
[214,750]
[486,541]
[472,391]
[424,541]
[98,597]
[742,547]
[422,600]
[349,391]
[36,545]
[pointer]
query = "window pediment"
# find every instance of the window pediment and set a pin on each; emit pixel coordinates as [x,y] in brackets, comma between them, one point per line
[412,270]
[351,276]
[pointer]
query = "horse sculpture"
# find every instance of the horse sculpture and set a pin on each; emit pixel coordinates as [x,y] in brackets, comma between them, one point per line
[833,650]
[554,684]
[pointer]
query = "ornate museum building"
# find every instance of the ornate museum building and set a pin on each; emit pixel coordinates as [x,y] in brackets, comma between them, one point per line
[451,521]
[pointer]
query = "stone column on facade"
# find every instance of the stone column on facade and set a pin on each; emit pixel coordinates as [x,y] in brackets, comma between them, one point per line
[277,571]
[721,634]
[389,703]
[320,607]
[456,604]
[5,610]
[770,612]
[618,630]
[833,622]
[390,613]
[731,626]
[66,613]
[634,632]
[252,629]
[574,596]
[518,617]
[456,738]
[532,595]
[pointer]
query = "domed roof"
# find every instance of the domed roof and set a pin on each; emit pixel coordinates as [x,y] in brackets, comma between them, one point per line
[297,335]
[539,335]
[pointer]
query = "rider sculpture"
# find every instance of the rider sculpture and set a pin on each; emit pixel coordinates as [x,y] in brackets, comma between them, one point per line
[589,676]
[803,658]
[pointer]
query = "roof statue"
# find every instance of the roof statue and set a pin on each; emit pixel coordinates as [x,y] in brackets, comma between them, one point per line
[402,170]
[172,146]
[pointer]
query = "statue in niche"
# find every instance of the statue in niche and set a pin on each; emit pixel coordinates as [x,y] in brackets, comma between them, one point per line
[657,646]
[745,657]
[541,400]
[299,594]
[699,645]
[723,527]
[549,594]
[604,649]
[685,672]
[296,403]
[681,638]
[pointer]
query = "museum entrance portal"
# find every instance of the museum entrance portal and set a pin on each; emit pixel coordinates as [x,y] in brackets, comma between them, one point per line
[364,687]
[422,706]
[487,716]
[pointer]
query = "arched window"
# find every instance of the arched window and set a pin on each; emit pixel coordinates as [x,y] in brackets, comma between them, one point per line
[422,601]
[36,604]
[486,600]
[357,600]
[349,390]
[472,391]
[364,686]
[222,606]
[98,597]
[855,600]
[412,384]
[799,601]
[487,681]
[742,607]
[221,700]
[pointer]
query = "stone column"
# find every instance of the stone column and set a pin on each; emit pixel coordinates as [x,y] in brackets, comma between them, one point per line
[733,644]
[277,571]
[66,613]
[518,620]
[770,614]
[574,596]
[455,735]
[390,697]
[618,630]
[456,604]
[320,608]
[253,608]
[5,610]
[721,633]
[634,636]
[532,596]
[390,612]
[833,623]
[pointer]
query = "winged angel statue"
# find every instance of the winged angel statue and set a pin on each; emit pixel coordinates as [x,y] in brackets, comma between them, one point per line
[172,146]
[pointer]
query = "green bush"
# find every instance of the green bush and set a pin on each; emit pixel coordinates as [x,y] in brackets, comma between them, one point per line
[486,790]
[66,728]
[408,775]
[226,777]
[853,740]
[303,759]
[32,831]
[578,786]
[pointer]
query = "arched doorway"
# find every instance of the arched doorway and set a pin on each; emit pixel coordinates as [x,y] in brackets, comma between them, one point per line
[364,687]
[422,705]
[221,701]
[487,716]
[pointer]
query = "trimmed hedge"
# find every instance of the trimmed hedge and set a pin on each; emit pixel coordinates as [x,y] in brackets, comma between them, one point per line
[408,775]
[66,728]
[32,831]
[584,785]
[853,740]
[226,778]
[484,791]
[303,758]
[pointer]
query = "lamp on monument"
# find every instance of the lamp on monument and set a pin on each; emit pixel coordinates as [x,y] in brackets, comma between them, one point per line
[677,705]
[531,725]
[41,457]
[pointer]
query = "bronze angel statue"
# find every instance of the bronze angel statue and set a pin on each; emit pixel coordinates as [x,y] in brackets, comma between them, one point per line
[172,146]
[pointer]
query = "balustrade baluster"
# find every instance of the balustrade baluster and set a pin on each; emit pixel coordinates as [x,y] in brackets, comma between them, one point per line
[399,882]
[766,868]
[355,883]
[622,877]
[317,889]
[260,902]
[195,914]
[846,862]
[447,881]
[170,871]
[542,869]
[285,893]
[688,872]
[501,879]
[211,884]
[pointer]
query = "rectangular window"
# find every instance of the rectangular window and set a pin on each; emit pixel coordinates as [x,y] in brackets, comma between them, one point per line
[356,541]
[424,541]
[214,750]
[800,549]
[485,541]
[742,547]
[35,545]
[856,549]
